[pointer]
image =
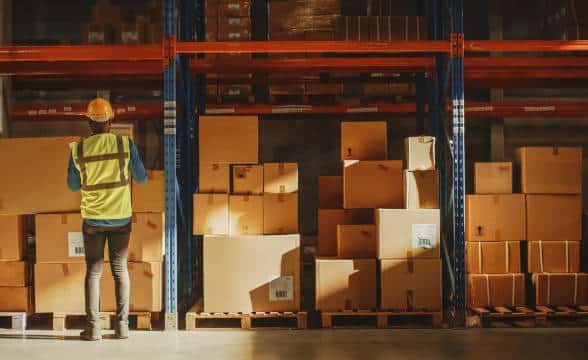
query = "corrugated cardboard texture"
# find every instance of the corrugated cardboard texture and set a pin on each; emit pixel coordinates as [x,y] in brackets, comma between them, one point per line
[12,242]
[213,178]
[553,256]
[372,184]
[495,217]
[248,179]
[356,241]
[150,196]
[228,139]
[549,170]
[280,178]
[496,290]
[345,284]
[52,237]
[211,214]
[280,214]
[419,153]
[241,281]
[60,288]
[146,287]
[21,191]
[328,219]
[561,289]
[396,233]
[421,189]
[14,273]
[364,140]
[15,299]
[330,192]
[147,237]
[411,285]
[498,257]
[245,214]
[554,217]
[493,178]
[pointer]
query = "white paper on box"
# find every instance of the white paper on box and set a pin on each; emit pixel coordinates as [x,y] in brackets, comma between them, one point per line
[75,244]
[281,288]
[423,236]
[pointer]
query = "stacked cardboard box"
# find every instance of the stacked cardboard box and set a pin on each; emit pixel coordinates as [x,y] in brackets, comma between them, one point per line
[302,19]
[381,28]
[15,291]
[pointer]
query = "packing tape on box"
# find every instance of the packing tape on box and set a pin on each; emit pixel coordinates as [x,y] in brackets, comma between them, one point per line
[575,289]
[409,299]
[548,300]
[540,256]
[487,289]
[151,225]
[150,175]
[281,169]
[282,188]
[567,256]
[507,254]
[480,257]
[63,219]
[410,265]
[65,269]
[210,199]
[514,288]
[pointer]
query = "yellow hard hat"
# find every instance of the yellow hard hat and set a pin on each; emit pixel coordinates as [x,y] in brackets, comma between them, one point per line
[99,110]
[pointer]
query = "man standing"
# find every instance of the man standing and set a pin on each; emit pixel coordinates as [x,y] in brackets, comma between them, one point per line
[100,166]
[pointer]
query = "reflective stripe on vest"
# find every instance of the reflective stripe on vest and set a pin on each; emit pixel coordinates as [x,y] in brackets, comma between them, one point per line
[120,155]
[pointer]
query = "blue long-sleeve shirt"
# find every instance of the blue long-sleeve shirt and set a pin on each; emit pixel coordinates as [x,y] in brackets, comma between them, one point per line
[137,169]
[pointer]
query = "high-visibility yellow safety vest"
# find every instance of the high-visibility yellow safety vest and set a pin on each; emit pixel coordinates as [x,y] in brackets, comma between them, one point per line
[103,163]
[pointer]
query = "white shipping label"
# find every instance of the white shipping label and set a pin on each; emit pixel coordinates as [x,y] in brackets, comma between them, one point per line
[75,244]
[423,236]
[281,288]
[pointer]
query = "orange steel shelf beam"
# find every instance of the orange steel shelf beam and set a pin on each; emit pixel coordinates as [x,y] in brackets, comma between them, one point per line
[136,111]
[518,46]
[78,68]
[81,53]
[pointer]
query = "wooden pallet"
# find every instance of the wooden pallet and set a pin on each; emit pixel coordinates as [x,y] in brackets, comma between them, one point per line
[528,316]
[254,320]
[18,320]
[381,319]
[59,320]
[563,315]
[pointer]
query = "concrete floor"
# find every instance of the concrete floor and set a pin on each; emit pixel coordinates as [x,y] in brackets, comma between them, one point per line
[503,344]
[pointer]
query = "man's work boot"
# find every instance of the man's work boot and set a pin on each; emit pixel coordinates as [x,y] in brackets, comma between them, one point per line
[121,332]
[91,334]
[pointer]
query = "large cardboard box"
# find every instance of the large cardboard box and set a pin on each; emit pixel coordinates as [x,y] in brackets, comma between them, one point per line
[248,179]
[280,214]
[497,257]
[407,234]
[364,140]
[59,238]
[147,237]
[150,196]
[411,285]
[495,217]
[211,214]
[146,287]
[213,178]
[280,178]
[60,288]
[328,219]
[496,290]
[553,256]
[245,214]
[21,191]
[493,177]
[421,189]
[356,241]
[257,273]
[14,273]
[13,299]
[549,170]
[372,184]
[419,153]
[554,217]
[330,192]
[560,289]
[12,242]
[345,284]
[229,139]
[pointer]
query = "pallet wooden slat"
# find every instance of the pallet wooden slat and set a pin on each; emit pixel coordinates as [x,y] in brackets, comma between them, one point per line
[18,320]
[59,320]
[383,318]
[529,316]
[246,319]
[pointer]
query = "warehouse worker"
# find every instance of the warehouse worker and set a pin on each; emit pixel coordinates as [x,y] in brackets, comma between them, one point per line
[100,166]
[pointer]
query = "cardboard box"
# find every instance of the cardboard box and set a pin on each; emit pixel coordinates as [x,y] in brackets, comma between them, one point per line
[364,140]
[345,284]
[248,179]
[407,234]
[495,217]
[257,273]
[493,178]
[280,178]
[330,192]
[419,153]
[372,184]
[328,219]
[553,256]
[15,299]
[21,192]
[123,129]
[59,238]
[280,214]
[211,214]
[146,287]
[14,273]
[234,29]
[237,8]
[245,214]
[499,257]
[561,289]
[213,178]
[496,290]
[549,170]
[147,237]
[421,189]
[411,285]
[60,288]
[150,196]
[12,242]
[229,139]
[356,241]
[554,217]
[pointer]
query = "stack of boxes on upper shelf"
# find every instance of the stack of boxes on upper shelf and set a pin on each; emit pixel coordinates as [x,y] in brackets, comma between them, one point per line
[379,211]
[251,222]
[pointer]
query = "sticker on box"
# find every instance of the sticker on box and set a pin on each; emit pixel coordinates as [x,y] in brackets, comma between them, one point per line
[75,244]
[423,236]
[281,288]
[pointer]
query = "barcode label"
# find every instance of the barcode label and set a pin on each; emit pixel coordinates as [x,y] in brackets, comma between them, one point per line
[281,288]
[75,244]
[424,236]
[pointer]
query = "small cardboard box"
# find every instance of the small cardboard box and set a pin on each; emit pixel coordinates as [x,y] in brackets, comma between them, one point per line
[419,153]
[280,178]
[553,256]
[561,289]
[493,177]
[248,179]
[496,290]
[554,217]
[364,140]
[495,217]
[150,196]
[60,288]
[407,234]
[213,178]
[59,238]
[14,273]
[330,192]
[421,189]
[245,215]
[146,287]
[411,285]
[97,34]
[356,242]
[345,284]
[211,214]
[147,237]
[372,184]
[229,139]
[12,242]
[498,257]
[280,214]
[129,33]
[328,219]
[15,299]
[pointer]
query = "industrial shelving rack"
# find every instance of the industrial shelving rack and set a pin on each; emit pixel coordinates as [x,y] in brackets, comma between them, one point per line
[443,59]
